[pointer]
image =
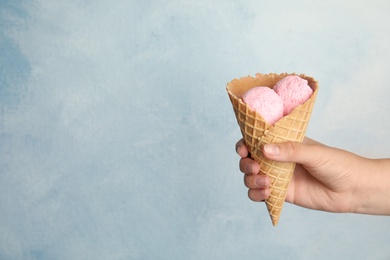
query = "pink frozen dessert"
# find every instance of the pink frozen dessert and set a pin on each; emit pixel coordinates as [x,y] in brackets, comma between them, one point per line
[294,91]
[265,102]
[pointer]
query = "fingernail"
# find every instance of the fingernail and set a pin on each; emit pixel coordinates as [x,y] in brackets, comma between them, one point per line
[262,182]
[271,149]
[249,168]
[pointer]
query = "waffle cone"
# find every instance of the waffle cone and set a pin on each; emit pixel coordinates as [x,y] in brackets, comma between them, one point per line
[257,132]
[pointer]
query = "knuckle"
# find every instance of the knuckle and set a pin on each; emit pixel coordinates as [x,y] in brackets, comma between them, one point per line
[246,181]
[247,166]
[249,181]
[252,195]
[242,165]
[257,194]
[292,150]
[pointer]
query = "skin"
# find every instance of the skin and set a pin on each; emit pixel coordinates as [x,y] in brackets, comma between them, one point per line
[325,178]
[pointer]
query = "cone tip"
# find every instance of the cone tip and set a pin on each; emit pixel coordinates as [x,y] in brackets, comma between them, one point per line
[275,220]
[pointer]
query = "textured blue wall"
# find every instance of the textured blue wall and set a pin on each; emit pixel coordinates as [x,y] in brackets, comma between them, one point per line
[117,136]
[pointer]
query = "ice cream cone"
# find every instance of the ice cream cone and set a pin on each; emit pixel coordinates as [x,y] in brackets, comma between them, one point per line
[257,132]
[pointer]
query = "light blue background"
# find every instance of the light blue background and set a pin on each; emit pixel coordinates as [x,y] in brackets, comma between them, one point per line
[117,136]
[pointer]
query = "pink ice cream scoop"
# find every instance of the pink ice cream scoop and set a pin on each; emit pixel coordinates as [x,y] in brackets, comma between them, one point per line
[294,91]
[265,102]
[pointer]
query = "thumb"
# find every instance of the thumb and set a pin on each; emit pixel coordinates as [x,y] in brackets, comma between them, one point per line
[306,154]
[324,163]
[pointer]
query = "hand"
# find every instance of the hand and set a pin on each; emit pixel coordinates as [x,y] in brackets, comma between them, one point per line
[325,178]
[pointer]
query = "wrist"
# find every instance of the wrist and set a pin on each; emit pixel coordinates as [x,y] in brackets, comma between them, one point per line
[371,194]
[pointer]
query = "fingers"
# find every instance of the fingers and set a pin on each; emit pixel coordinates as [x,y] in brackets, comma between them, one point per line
[258,184]
[257,181]
[258,195]
[249,166]
[241,149]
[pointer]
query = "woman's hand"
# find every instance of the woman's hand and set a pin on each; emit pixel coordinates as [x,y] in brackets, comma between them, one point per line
[325,178]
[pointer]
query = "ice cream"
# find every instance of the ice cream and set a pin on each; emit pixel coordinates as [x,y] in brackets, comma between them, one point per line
[266,102]
[272,104]
[257,132]
[294,91]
